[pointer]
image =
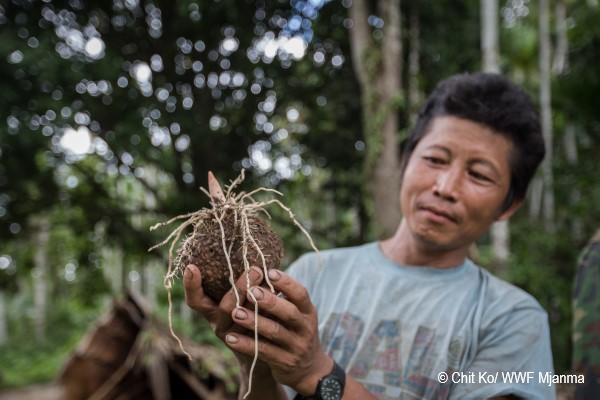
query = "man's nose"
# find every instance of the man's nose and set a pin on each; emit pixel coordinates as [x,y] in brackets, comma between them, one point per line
[448,184]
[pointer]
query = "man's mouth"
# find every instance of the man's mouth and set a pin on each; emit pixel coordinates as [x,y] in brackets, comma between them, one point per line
[440,213]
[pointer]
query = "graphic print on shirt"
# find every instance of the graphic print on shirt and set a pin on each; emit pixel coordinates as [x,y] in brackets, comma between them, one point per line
[379,357]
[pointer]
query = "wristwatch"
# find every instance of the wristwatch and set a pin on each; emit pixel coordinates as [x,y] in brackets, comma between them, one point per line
[330,387]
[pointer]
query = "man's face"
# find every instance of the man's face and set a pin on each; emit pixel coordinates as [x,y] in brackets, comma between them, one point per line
[455,182]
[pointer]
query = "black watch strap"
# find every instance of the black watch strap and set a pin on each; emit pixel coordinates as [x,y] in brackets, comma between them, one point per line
[332,384]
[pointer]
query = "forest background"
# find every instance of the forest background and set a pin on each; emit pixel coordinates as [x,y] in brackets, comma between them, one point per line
[112,112]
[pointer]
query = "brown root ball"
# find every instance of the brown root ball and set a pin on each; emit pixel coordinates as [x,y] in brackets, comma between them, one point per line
[204,248]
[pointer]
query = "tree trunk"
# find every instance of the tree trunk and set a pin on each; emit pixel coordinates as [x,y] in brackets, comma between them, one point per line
[185,314]
[490,51]
[3,319]
[40,276]
[546,113]
[560,66]
[572,156]
[134,281]
[150,284]
[490,32]
[378,66]
[536,197]
[561,59]
[414,64]
[113,268]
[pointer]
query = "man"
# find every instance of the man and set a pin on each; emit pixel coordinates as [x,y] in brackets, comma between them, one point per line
[586,321]
[411,316]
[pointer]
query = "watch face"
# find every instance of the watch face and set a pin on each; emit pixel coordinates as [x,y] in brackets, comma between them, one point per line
[331,389]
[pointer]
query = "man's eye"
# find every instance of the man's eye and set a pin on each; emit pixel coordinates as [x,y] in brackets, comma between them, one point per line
[479,176]
[434,160]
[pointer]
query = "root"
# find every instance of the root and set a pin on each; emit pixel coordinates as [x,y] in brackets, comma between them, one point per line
[188,355]
[242,206]
[255,359]
[228,258]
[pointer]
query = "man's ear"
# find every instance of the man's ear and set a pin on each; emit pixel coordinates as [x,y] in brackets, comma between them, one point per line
[506,214]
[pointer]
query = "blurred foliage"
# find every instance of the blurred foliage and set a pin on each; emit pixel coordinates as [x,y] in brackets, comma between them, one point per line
[24,360]
[174,89]
[550,280]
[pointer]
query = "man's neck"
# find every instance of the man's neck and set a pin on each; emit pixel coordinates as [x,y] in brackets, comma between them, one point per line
[404,248]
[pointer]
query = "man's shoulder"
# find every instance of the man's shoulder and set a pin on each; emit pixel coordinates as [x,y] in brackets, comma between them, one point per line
[332,261]
[505,295]
[328,265]
[341,253]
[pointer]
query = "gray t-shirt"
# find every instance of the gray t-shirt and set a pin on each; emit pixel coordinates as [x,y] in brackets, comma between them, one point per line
[396,328]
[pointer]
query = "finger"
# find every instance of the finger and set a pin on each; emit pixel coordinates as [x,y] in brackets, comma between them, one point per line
[194,294]
[273,306]
[292,290]
[266,327]
[217,315]
[247,345]
[235,297]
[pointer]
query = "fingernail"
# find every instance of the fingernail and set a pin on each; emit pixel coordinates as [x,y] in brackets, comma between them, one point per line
[257,292]
[188,273]
[274,275]
[231,339]
[241,314]
[254,274]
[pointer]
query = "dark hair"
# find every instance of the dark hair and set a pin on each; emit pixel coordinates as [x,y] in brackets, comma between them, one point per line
[494,101]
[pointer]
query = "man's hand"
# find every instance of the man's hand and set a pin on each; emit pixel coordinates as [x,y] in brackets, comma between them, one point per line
[289,348]
[219,318]
[289,340]
[217,315]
